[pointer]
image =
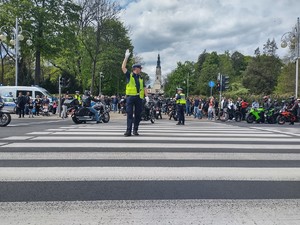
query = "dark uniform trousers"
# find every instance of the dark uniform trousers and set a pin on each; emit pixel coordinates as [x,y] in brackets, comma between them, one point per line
[136,102]
[180,112]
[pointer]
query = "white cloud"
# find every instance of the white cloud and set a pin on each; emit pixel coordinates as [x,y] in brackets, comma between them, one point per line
[180,30]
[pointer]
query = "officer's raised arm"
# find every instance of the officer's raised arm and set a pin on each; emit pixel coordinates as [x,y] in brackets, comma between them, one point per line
[127,54]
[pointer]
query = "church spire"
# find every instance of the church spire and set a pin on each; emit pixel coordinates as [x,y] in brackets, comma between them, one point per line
[158,61]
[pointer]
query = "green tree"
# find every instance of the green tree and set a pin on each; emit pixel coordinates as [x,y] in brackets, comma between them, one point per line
[239,64]
[270,48]
[93,15]
[261,74]
[182,76]
[210,70]
[115,42]
[49,21]
[286,80]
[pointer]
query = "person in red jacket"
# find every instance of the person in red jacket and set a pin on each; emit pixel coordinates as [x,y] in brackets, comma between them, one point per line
[244,106]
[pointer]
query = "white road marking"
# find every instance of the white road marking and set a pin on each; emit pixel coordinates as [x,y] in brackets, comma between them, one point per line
[120,137]
[148,145]
[145,156]
[174,134]
[24,174]
[17,138]
[275,131]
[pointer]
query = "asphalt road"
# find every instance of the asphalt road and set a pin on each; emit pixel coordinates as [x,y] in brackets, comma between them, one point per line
[202,173]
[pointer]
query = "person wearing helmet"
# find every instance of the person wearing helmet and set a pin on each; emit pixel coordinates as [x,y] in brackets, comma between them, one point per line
[87,102]
[135,93]
[293,108]
[266,105]
[180,101]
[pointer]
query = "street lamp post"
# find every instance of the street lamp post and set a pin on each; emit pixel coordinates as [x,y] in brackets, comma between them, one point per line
[190,73]
[187,84]
[100,83]
[17,36]
[293,39]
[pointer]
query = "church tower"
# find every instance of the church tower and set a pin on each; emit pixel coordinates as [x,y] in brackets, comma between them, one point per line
[157,87]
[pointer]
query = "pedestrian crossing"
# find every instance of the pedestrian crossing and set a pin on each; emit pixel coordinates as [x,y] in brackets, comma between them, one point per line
[166,160]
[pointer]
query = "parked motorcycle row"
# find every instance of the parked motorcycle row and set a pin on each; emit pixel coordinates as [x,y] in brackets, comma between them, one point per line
[271,116]
[260,115]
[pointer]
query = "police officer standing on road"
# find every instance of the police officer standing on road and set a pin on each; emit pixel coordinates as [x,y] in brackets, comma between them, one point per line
[135,92]
[180,101]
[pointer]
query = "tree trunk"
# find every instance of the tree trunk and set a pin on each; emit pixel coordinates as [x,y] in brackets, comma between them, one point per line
[2,66]
[37,74]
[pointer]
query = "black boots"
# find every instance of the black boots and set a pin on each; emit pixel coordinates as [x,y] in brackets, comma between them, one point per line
[128,133]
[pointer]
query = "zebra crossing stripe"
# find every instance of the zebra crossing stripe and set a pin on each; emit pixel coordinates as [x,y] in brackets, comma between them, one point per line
[12,174]
[175,134]
[145,156]
[149,145]
[101,138]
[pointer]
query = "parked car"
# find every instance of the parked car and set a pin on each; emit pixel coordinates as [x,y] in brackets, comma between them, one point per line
[9,104]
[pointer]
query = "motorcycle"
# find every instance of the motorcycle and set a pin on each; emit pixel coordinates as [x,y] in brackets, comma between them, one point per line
[5,117]
[172,112]
[286,116]
[157,108]
[81,114]
[224,115]
[148,113]
[122,106]
[103,111]
[271,115]
[254,115]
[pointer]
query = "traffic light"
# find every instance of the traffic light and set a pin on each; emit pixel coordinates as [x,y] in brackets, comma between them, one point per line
[61,81]
[67,82]
[225,83]
[218,85]
[64,82]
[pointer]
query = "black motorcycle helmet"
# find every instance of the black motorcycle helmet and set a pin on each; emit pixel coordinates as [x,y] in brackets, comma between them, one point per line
[87,92]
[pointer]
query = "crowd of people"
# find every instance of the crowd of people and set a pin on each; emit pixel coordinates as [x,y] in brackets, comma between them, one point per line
[209,108]
[195,106]
[26,105]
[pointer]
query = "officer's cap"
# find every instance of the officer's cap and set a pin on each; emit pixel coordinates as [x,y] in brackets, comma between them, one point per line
[179,89]
[137,66]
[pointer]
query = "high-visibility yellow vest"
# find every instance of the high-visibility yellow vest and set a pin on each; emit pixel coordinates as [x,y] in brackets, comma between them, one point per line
[78,97]
[182,100]
[131,87]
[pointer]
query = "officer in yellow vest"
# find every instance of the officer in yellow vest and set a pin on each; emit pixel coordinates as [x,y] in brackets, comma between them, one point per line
[78,97]
[135,92]
[180,101]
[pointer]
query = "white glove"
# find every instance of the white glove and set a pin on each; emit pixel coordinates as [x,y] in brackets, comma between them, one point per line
[127,54]
[147,99]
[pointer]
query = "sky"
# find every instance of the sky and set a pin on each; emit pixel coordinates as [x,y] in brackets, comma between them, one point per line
[180,30]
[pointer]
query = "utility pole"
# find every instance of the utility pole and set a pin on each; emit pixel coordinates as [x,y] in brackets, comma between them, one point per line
[220,78]
[59,95]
